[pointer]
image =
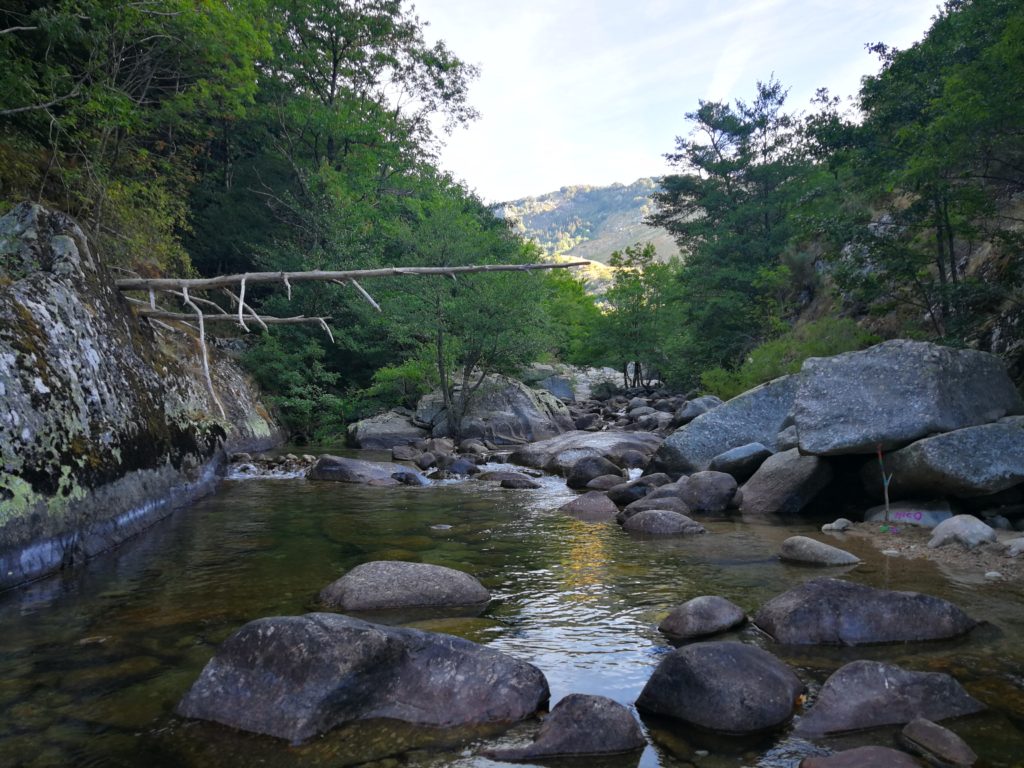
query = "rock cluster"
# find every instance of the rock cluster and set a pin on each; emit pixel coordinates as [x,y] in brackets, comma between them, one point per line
[947,422]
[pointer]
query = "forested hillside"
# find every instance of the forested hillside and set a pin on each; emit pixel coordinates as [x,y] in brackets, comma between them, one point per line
[589,222]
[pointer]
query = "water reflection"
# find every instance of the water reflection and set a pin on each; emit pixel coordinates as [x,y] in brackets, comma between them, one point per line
[92,665]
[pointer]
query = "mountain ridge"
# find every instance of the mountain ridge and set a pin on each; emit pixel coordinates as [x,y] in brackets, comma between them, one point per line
[583,221]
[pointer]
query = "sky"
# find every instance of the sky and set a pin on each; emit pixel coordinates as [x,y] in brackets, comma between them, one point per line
[596,91]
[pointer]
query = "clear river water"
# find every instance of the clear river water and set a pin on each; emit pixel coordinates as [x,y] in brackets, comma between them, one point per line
[93,663]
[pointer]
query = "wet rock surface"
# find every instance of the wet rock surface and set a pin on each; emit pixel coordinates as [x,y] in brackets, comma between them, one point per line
[938,745]
[784,484]
[808,551]
[580,725]
[870,694]
[702,616]
[722,686]
[344,470]
[837,612]
[662,522]
[295,677]
[386,584]
[592,506]
[863,757]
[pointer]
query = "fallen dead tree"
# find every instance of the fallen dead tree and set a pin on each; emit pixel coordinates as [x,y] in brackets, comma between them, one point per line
[203,311]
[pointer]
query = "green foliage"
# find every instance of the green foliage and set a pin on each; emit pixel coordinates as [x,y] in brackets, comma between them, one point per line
[574,320]
[290,368]
[785,354]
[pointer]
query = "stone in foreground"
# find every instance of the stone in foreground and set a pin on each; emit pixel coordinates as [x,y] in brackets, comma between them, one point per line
[581,725]
[871,694]
[863,757]
[837,612]
[938,745]
[393,584]
[702,616]
[897,392]
[808,551]
[966,530]
[662,522]
[721,686]
[295,677]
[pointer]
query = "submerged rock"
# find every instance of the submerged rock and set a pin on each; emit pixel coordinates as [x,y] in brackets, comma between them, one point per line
[708,491]
[579,725]
[592,506]
[662,522]
[702,616]
[296,677]
[870,694]
[722,686]
[938,745]
[836,612]
[805,550]
[386,584]
[863,757]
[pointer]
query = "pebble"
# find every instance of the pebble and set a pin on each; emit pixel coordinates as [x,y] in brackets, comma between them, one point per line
[993,575]
[440,527]
[890,552]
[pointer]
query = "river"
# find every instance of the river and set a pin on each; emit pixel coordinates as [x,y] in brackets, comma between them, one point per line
[92,664]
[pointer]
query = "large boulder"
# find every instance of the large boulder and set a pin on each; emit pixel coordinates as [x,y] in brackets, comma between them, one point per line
[626,493]
[722,686]
[974,461]
[559,454]
[897,392]
[871,694]
[295,677]
[756,416]
[784,484]
[503,410]
[836,612]
[393,584]
[702,616]
[345,470]
[694,408]
[385,431]
[580,725]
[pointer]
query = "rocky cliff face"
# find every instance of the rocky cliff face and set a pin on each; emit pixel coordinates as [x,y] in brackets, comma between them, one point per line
[104,426]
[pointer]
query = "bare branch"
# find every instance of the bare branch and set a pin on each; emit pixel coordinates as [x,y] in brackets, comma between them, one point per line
[160,314]
[31,107]
[202,348]
[17,29]
[207,283]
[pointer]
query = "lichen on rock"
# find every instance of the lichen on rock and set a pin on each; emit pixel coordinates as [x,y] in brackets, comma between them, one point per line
[104,428]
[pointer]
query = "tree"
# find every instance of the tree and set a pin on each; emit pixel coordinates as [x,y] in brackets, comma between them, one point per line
[729,208]
[635,304]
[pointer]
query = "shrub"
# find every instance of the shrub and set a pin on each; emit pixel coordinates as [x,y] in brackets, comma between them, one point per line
[785,354]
